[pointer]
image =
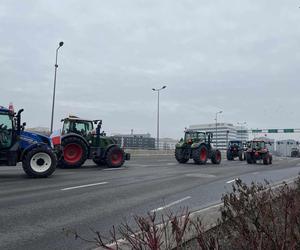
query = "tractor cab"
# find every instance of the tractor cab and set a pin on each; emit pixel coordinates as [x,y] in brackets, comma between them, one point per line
[193,136]
[78,126]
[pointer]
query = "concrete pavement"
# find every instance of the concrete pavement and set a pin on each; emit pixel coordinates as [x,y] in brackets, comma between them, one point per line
[34,211]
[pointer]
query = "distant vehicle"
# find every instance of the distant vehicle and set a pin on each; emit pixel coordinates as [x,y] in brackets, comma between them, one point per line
[235,149]
[35,151]
[258,151]
[295,152]
[196,145]
[81,141]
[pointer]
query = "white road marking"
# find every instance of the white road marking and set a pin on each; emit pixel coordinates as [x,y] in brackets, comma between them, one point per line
[171,204]
[200,175]
[230,181]
[255,173]
[171,164]
[113,169]
[83,186]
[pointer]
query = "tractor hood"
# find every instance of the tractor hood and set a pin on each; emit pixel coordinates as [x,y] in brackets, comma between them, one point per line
[28,138]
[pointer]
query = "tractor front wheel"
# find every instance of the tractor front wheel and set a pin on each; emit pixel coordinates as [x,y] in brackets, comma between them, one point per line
[200,154]
[229,156]
[39,162]
[216,156]
[115,157]
[180,155]
[249,158]
[75,152]
[241,156]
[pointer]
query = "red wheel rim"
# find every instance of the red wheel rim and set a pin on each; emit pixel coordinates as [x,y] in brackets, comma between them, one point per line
[72,153]
[203,154]
[116,157]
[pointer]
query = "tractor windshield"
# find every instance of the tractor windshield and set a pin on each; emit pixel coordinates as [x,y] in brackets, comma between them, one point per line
[83,128]
[258,145]
[235,143]
[194,135]
[6,125]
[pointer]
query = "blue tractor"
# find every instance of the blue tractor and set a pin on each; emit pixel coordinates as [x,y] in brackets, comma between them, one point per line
[35,151]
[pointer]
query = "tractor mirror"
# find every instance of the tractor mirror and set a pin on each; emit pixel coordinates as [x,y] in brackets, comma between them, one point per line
[24,124]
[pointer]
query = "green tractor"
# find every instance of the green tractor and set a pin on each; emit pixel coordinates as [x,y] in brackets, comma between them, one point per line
[81,141]
[196,145]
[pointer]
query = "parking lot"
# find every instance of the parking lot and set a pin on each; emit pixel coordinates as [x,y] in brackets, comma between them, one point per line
[34,211]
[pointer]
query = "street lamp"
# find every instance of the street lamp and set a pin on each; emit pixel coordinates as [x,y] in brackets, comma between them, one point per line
[54,87]
[241,124]
[219,112]
[158,90]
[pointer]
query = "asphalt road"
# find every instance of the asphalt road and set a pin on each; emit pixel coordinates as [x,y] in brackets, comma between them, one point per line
[33,212]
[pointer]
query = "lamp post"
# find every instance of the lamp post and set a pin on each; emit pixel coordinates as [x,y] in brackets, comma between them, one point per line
[241,124]
[54,87]
[219,112]
[157,136]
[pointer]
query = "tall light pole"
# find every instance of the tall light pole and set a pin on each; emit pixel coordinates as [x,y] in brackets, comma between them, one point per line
[241,124]
[219,112]
[54,87]
[157,136]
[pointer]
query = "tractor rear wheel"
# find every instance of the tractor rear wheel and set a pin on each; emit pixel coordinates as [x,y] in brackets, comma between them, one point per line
[75,152]
[180,156]
[249,158]
[200,154]
[39,162]
[266,159]
[216,156]
[115,157]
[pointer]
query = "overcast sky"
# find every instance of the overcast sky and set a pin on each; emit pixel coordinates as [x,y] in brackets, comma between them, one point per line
[242,57]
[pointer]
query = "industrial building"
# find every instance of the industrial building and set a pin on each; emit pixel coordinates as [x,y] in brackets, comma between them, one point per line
[223,133]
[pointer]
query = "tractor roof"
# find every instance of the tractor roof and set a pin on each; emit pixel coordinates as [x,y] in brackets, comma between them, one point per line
[256,140]
[3,109]
[75,118]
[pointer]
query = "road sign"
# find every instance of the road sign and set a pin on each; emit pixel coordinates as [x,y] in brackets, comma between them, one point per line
[272,130]
[256,130]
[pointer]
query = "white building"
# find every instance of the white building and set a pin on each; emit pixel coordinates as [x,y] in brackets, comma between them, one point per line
[223,133]
[284,147]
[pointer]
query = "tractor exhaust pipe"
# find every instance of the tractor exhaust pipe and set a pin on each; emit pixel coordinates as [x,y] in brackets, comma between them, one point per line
[19,120]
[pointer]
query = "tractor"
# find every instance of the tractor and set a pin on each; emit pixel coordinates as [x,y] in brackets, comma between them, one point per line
[295,152]
[196,145]
[235,149]
[35,151]
[82,140]
[258,151]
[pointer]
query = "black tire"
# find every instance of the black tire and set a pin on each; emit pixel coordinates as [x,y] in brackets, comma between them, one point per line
[271,159]
[180,156]
[249,158]
[115,157]
[200,154]
[241,155]
[266,159]
[216,156]
[99,162]
[40,162]
[229,155]
[75,152]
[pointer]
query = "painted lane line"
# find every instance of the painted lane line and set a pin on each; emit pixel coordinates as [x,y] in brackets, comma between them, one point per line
[83,186]
[171,204]
[230,181]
